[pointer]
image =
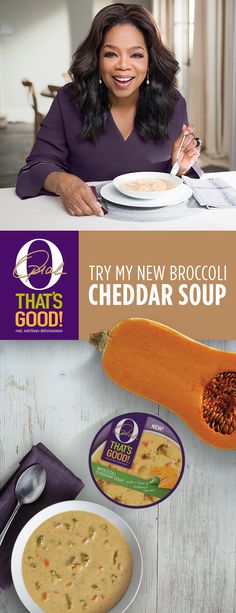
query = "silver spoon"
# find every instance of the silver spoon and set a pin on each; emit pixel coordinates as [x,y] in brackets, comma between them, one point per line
[176,165]
[28,488]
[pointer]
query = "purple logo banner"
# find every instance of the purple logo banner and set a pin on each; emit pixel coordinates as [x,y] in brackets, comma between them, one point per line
[39,285]
[123,439]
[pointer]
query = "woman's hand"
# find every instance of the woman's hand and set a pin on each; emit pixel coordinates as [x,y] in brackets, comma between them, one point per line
[189,152]
[77,197]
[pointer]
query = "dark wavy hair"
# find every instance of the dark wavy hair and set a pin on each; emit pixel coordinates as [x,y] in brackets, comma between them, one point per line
[156,102]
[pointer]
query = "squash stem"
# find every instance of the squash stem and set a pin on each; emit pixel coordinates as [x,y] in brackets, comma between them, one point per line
[99,339]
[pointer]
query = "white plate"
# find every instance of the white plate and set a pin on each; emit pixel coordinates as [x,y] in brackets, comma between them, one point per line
[160,196]
[110,193]
[76,505]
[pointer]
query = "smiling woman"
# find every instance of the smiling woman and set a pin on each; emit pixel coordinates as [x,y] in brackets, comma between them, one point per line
[123,67]
[121,113]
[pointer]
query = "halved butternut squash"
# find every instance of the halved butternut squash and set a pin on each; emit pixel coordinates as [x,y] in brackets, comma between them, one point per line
[194,381]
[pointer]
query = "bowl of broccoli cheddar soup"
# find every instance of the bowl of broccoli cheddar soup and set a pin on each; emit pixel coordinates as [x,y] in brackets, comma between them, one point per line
[76,556]
[148,185]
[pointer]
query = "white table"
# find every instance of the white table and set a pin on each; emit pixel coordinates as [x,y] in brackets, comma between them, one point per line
[47,213]
[57,393]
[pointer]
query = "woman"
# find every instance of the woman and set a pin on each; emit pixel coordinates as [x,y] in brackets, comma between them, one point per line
[121,113]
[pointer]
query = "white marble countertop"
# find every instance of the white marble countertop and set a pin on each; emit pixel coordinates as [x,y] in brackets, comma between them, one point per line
[47,213]
[57,393]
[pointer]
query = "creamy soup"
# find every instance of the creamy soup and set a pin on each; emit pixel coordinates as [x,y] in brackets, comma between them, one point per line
[77,561]
[157,456]
[159,185]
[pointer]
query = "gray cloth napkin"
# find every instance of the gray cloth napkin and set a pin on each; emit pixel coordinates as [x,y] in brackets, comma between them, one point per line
[213,192]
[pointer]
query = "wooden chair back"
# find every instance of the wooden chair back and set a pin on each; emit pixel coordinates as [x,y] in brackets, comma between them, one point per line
[37,115]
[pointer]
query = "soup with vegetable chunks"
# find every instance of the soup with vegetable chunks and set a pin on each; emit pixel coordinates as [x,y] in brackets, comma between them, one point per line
[159,185]
[77,561]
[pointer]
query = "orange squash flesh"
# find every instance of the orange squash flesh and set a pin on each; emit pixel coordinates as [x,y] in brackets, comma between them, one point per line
[162,365]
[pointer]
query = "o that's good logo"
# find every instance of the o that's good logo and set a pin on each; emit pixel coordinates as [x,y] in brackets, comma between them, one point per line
[26,267]
[126,430]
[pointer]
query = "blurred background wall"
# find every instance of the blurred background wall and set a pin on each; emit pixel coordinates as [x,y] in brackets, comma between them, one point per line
[34,44]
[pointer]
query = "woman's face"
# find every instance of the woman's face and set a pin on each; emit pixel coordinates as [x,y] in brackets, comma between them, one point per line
[123,61]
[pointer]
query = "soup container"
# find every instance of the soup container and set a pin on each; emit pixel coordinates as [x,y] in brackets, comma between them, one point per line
[89,507]
[146,177]
[147,470]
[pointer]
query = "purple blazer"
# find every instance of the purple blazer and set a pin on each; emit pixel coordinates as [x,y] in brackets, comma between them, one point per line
[59,147]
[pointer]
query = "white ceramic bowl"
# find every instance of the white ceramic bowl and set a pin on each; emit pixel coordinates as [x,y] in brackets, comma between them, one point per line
[76,505]
[147,176]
